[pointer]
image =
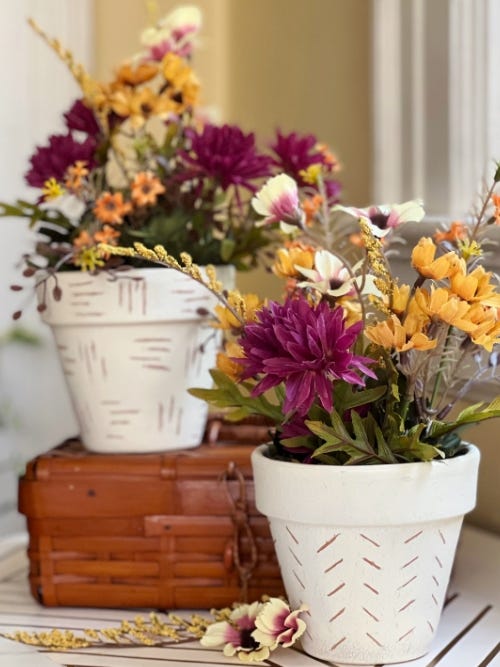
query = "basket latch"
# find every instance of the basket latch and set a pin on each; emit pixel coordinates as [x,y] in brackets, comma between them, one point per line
[241,527]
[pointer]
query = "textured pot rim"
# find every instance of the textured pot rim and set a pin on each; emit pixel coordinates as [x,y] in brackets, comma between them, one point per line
[384,494]
[115,274]
[110,298]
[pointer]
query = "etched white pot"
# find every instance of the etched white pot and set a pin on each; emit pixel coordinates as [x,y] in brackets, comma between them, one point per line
[368,548]
[131,343]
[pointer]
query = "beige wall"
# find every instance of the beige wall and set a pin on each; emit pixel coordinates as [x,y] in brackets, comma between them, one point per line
[486,437]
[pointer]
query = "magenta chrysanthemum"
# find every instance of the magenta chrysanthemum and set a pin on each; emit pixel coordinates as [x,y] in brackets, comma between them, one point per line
[305,347]
[52,161]
[226,155]
[295,153]
[82,119]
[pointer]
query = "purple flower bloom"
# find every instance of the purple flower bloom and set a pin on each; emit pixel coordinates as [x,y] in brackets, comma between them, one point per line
[81,119]
[52,161]
[295,153]
[307,348]
[177,43]
[226,155]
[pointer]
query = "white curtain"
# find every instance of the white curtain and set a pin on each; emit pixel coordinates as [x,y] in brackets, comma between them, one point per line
[36,89]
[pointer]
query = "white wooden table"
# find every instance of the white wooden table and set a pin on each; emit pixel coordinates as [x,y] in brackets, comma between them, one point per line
[468,636]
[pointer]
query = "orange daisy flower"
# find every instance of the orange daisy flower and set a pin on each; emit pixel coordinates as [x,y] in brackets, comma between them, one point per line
[134,76]
[140,104]
[392,334]
[83,240]
[111,208]
[145,189]
[75,174]
[226,360]
[330,159]
[496,203]
[441,304]
[311,206]
[183,86]
[456,232]
[423,260]
[295,254]
[107,234]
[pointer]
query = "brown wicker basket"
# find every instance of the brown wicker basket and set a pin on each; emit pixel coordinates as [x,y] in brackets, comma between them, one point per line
[177,530]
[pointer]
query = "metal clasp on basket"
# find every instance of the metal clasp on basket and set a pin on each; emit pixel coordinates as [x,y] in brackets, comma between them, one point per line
[241,525]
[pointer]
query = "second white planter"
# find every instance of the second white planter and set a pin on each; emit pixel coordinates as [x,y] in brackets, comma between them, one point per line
[369,549]
[131,345]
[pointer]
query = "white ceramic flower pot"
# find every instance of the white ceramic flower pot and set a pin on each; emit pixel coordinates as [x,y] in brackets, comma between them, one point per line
[368,548]
[131,344]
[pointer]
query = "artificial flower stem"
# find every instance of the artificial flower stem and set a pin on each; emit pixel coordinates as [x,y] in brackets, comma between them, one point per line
[481,213]
[439,374]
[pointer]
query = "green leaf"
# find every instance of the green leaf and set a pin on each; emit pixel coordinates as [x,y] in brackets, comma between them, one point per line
[345,397]
[384,451]
[229,394]
[409,447]
[227,247]
[472,414]
[338,439]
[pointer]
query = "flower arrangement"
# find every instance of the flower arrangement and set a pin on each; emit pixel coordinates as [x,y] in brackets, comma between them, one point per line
[354,366]
[139,162]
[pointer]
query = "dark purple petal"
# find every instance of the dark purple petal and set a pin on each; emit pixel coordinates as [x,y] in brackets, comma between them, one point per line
[226,155]
[52,161]
[81,119]
[304,347]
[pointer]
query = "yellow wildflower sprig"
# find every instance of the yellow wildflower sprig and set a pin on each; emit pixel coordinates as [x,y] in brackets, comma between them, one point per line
[92,90]
[151,631]
[378,264]
[232,300]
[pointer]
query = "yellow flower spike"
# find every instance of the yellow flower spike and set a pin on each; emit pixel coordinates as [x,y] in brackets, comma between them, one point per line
[247,306]
[161,253]
[378,265]
[147,253]
[52,189]
[213,283]
[104,249]
[423,260]
[186,259]
[93,91]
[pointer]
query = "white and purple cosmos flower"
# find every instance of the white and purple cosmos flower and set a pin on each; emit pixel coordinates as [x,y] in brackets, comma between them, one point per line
[329,275]
[252,631]
[383,219]
[174,33]
[278,201]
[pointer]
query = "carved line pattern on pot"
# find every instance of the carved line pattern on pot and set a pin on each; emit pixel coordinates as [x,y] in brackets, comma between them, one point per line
[327,543]
[289,535]
[404,587]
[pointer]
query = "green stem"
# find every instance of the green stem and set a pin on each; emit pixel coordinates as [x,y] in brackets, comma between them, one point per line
[439,374]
